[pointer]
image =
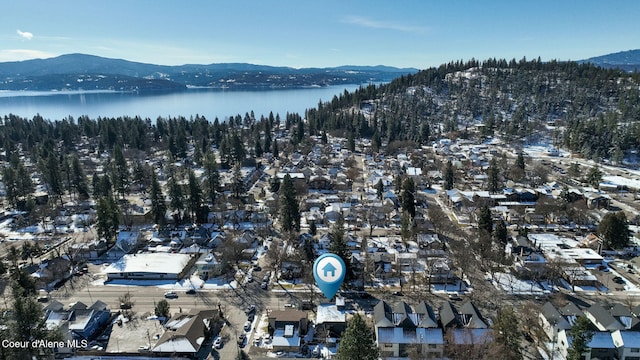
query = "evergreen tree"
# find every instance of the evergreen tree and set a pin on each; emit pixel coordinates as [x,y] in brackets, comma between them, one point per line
[485,221]
[594,176]
[237,185]
[289,209]
[520,161]
[78,178]
[163,309]
[107,212]
[501,233]
[195,195]
[212,177]
[581,334]
[177,197]
[408,197]
[379,189]
[357,341]
[508,335]
[614,230]
[158,205]
[449,176]
[52,174]
[120,171]
[493,182]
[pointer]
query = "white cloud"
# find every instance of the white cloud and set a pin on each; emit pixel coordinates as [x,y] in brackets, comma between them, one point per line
[385,25]
[24,34]
[23,54]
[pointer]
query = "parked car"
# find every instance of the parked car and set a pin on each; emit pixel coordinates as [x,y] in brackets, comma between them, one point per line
[250,309]
[251,317]
[247,326]
[171,295]
[241,338]
[217,343]
[190,292]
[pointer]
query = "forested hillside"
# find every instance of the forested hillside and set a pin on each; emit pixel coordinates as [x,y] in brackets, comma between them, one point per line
[593,111]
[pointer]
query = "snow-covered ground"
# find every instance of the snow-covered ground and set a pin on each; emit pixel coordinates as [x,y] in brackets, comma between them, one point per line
[515,286]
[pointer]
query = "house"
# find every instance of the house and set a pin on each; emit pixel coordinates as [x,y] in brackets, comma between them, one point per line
[465,328]
[398,329]
[184,335]
[552,321]
[52,271]
[208,266]
[287,329]
[331,319]
[84,323]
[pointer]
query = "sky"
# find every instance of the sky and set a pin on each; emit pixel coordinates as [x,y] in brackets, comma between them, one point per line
[301,33]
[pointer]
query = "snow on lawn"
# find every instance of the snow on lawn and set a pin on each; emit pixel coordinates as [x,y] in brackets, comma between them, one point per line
[513,285]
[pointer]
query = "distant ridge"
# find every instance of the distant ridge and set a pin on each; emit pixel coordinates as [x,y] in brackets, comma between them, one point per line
[89,72]
[625,60]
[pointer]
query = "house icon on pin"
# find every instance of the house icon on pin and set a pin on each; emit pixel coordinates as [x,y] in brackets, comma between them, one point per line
[329,268]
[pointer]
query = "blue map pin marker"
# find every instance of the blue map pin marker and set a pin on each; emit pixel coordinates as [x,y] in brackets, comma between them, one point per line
[329,270]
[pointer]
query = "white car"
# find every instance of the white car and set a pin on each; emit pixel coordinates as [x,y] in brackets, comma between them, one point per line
[171,295]
[217,343]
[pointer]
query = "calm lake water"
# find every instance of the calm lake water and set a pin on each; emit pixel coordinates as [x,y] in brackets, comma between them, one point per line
[207,102]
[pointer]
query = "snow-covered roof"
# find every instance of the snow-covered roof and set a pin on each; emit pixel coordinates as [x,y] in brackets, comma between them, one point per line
[279,340]
[150,263]
[329,313]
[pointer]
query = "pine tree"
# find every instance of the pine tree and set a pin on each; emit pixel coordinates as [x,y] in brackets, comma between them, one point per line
[614,229]
[158,205]
[508,338]
[177,197]
[357,341]
[520,161]
[581,334]
[289,209]
[107,212]
[120,176]
[237,185]
[408,197]
[195,195]
[449,176]
[212,177]
[379,189]
[485,221]
[78,178]
[493,182]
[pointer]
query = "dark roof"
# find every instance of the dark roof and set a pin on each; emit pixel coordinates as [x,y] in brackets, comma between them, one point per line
[618,310]
[604,318]
[448,315]
[99,305]
[54,305]
[425,315]
[382,315]
[400,315]
[288,316]
[470,316]
[191,330]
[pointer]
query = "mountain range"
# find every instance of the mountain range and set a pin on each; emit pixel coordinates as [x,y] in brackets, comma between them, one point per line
[624,60]
[88,72]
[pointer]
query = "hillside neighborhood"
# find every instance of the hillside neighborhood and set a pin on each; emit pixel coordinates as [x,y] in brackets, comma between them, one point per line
[433,301]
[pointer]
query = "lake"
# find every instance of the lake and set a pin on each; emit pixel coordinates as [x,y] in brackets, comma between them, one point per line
[205,102]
